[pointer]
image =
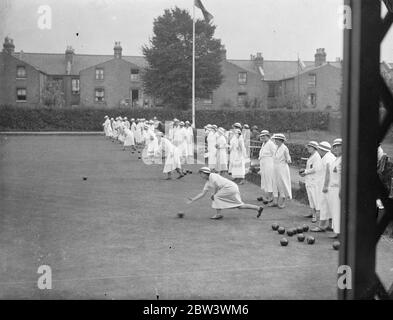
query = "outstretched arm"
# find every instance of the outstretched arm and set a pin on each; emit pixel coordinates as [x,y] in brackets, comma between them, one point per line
[199,196]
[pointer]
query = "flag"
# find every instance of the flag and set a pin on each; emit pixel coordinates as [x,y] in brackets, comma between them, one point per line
[206,14]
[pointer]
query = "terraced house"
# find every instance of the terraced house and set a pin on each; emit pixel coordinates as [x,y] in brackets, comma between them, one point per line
[115,80]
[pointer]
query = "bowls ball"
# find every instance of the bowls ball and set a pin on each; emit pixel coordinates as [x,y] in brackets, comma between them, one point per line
[310,240]
[284,242]
[281,230]
[300,237]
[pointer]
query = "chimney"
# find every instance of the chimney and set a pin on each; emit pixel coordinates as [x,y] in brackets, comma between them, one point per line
[8,45]
[320,57]
[258,60]
[117,50]
[69,57]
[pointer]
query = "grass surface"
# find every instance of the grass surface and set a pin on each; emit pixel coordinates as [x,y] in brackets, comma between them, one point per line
[116,235]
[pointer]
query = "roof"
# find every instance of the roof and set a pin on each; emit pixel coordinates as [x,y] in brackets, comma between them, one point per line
[54,63]
[275,70]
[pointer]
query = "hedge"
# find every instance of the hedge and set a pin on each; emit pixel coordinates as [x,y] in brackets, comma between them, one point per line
[90,119]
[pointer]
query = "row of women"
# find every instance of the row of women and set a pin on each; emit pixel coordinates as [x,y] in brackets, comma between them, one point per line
[322,178]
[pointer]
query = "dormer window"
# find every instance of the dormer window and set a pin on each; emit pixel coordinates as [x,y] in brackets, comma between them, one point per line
[99,74]
[134,75]
[21,72]
[242,78]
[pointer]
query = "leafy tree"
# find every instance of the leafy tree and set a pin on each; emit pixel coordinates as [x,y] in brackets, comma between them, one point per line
[52,94]
[168,76]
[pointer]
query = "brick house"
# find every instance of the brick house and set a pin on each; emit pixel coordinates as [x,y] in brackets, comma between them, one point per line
[114,80]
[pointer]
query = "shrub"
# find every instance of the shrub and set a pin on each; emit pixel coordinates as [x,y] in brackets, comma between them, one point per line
[91,119]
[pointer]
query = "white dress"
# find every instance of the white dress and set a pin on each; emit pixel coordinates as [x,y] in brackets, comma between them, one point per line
[181,143]
[129,138]
[190,145]
[222,154]
[211,149]
[333,193]
[313,180]
[266,162]
[282,175]
[237,157]
[325,214]
[227,194]
[172,156]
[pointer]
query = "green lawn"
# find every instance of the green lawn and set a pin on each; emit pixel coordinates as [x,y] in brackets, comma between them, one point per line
[116,235]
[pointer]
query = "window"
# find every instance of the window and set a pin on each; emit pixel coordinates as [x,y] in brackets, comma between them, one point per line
[312,100]
[99,74]
[134,74]
[100,95]
[312,80]
[20,72]
[241,98]
[75,86]
[242,77]
[21,94]
[272,90]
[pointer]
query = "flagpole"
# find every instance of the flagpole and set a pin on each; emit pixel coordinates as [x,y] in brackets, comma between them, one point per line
[193,64]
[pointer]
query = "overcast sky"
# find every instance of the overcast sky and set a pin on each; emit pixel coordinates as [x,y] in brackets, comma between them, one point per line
[280,29]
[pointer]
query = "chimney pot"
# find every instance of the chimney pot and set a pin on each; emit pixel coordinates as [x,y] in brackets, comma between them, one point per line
[117,50]
[8,45]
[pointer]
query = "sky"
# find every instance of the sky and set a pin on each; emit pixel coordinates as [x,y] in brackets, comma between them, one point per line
[279,29]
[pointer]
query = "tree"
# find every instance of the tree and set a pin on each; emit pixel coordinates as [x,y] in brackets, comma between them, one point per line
[52,94]
[168,76]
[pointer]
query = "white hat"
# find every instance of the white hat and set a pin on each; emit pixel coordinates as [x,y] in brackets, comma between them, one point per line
[132,119]
[264,133]
[237,125]
[181,123]
[187,122]
[221,130]
[246,126]
[313,144]
[324,146]
[214,127]
[337,142]
[106,117]
[279,136]
[112,119]
[205,170]
[159,134]
[125,118]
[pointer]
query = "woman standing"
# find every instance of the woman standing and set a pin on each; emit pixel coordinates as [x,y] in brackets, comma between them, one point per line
[266,161]
[226,194]
[281,171]
[238,157]
[211,147]
[222,156]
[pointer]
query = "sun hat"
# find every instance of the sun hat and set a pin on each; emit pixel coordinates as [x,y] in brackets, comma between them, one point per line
[264,133]
[237,125]
[221,130]
[279,136]
[337,142]
[324,146]
[246,126]
[313,144]
[181,123]
[205,170]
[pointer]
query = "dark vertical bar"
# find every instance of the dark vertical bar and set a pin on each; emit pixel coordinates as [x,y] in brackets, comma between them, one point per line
[360,129]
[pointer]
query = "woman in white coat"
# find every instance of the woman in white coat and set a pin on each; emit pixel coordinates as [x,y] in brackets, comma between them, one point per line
[282,175]
[190,143]
[226,194]
[266,162]
[172,156]
[211,147]
[238,156]
[222,155]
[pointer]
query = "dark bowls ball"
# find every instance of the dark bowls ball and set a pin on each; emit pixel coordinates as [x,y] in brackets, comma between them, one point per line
[305,228]
[284,242]
[290,232]
[299,229]
[310,240]
[300,237]
[336,245]
[84,178]
[275,226]
[281,230]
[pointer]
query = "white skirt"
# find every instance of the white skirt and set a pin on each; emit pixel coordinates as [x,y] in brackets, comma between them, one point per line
[228,197]
[282,178]
[267,174]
